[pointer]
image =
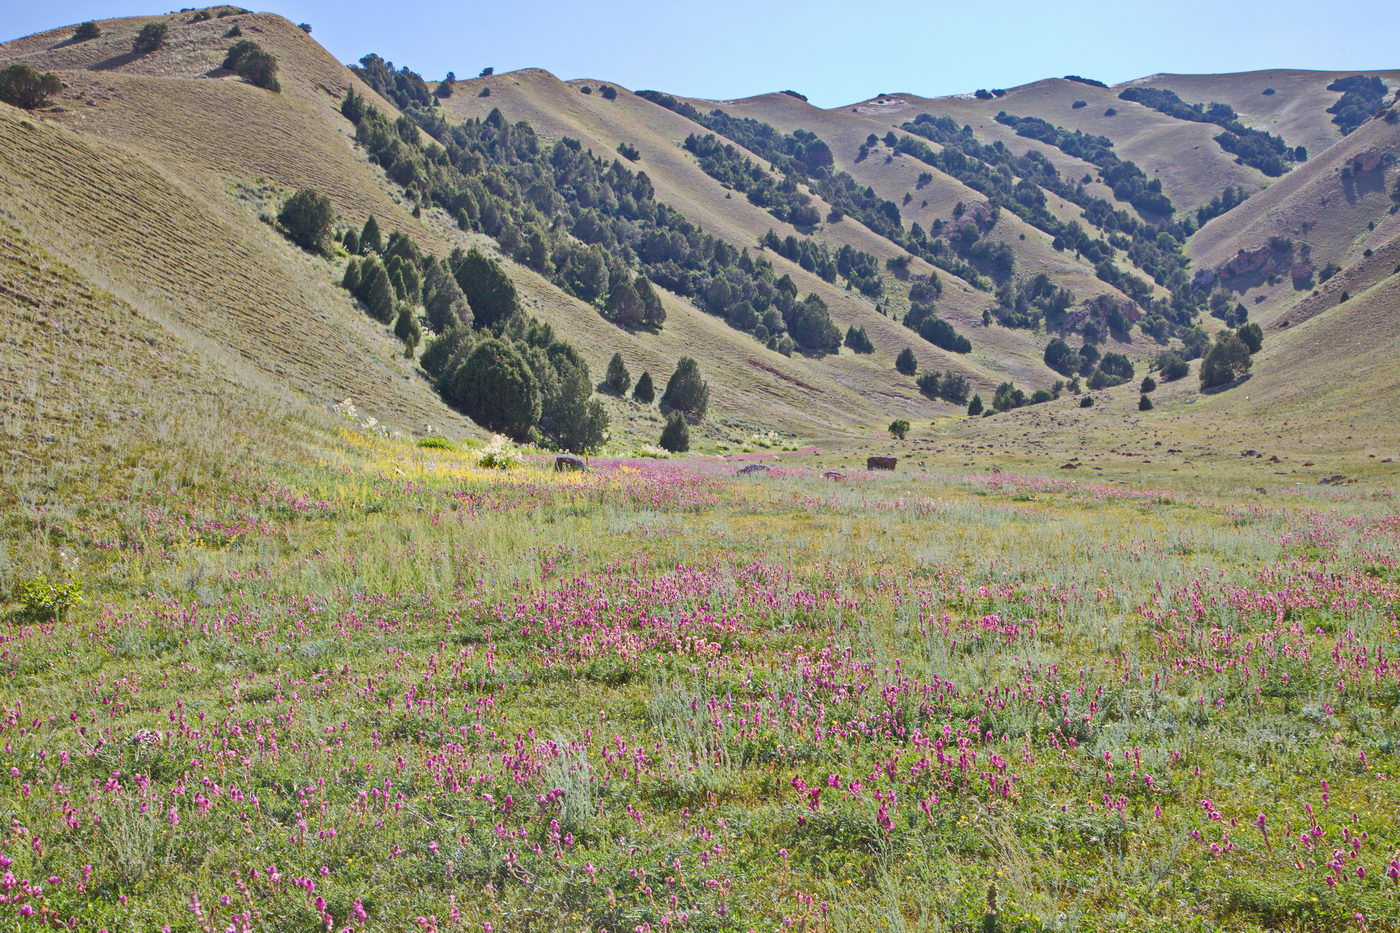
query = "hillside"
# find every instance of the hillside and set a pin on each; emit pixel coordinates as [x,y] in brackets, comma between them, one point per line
[155,176]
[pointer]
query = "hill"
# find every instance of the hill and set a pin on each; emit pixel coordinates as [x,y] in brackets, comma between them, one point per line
[156,176]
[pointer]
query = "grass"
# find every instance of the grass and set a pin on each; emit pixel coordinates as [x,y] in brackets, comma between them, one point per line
[383,679]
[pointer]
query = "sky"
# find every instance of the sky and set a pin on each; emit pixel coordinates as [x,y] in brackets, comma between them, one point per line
[835,53]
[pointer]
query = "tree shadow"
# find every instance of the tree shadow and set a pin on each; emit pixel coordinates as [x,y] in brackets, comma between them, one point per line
[1216,390]
[116,61]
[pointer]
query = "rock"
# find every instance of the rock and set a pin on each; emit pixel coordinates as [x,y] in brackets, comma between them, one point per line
[566,464]
[1069,466]
[832,474]
[880,463]
[753,469]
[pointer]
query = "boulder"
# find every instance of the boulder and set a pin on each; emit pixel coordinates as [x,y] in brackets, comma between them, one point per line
[753,469]
[566,464]
[880,463]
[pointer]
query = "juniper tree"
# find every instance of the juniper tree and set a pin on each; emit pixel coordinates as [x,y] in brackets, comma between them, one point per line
[307,217]
[675,436]
[644,392]
[618,380]
[686,391]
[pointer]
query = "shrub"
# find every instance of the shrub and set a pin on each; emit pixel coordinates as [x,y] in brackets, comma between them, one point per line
[22,86]
[307,217]
[618,380]
[150,38]
[644,391]
[499,455]
[43,601]
[258,67]
[1078,105]
[899,428]
[489,290]
[305,27]
[974,407]
[629,152]
[406,329]
[858,340]
[1148,384]
[675,437]
[1086,402]
[436,442]
[86,31]
[1144,403]
[686,391]
[496,388]
[906,363]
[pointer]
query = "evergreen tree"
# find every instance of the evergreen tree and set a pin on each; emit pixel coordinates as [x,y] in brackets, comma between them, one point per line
[443,298]
[489,290]
[86,31]
[406,329]
[1144,403]
[259,68]
[899,428]
[376,291]
[352,242]
[686,391]
[1253,336]
[351,281]
[675,437]
[1225,362]
[370,239]
[446,87]
[307,217]
[446,351]
[974,407]
[496,389]
[1148,384]
[624,306]
[653,314]
[906,363]
[618,379]
[644,392]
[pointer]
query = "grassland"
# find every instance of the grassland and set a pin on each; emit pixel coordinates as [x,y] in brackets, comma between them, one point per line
[375,685]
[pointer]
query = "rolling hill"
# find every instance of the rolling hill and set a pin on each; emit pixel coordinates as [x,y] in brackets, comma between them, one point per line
[151,184]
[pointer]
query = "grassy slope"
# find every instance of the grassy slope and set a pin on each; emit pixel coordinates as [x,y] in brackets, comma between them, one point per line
[170,136]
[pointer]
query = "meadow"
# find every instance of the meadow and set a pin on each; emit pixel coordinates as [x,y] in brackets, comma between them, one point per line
[361,685]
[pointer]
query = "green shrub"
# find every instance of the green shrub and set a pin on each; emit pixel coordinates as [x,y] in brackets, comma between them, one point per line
[644,391]
[436,442]
[150,38]
[1086,402]
[1226,362]
[307,217]
[1144,403]
[43,601]
[974,407]
[899,428]
[22,86]
[618,380]
[86,31]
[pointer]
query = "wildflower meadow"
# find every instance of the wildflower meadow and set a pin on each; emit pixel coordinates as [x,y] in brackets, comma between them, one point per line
[395,689]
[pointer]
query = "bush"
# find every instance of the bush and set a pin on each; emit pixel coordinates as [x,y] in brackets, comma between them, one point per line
[1253,336]
[906,363]
[899,428]
[436,442]
[150,38]
[1144,403]
[644,393]
[499,455]
[629,152]
[307,217]
[86,31]
[489,290]
[1148,384]
[858,340]
[686,391]
[675,437]
[974,407]
[1086,402]
[496,388]
[259,68]
[22,86]
[43,601]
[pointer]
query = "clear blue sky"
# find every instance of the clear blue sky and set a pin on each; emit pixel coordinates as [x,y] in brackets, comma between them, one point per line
[835,53]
